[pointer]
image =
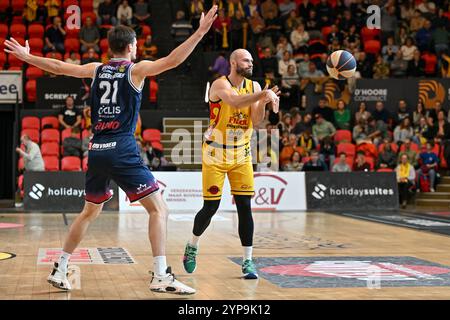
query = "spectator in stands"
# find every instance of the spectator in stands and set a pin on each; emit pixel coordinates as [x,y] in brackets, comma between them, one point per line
[289,146]
[149,49]
[87,117]
[387,157]
[441,39]
[303,65]
[399,66]
[407,10]
[341,165]
[424,36]
[380,68]
[155,157]
[69,117]
[429,164]
[347,21]
[352,38]
[401,35]
[284,63]
[315,164]
[269,6]
[181,28]
[389,50]
[403,111]
[416,22]
[305,124]
[419,113]
[360,162]
[290,87]
[257,26]
[196,7]
[237,30]
[91,57]
[72,58]
[342,116]
[312,23]
[53,7]
[327,151]
[285,7]
[273,27]
[376,130]
[431,130]
[322,129]
[317,77]
[435,111]
[389,21]
[360,131]
[142,12]
[292,22]
[268,62]
[30,11]
[416,66]
[406,176]
[221,66]
[107,13]
[362,112]
[408,49]
[443,127]
[410,154]
[299,38]
[365,66]
[335,34]
[89,36]
[32,156]
[324,110]
[85,142]
[294,164]
[54,37]
[72,144]
[419,130]
[124,13]
[306,141]
[283,45]
[380,113]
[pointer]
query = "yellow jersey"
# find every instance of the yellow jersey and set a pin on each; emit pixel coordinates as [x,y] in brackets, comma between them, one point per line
[229,126]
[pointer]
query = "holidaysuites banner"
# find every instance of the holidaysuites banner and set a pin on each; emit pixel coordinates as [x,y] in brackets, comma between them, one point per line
[389,91]
[355,190]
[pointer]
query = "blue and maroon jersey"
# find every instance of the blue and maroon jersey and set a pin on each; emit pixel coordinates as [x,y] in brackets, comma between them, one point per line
[115,100]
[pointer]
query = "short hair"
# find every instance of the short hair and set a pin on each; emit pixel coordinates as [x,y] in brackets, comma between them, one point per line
[120,37]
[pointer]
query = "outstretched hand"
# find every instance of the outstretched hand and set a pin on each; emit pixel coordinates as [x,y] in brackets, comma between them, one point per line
[207,20]
[15,48]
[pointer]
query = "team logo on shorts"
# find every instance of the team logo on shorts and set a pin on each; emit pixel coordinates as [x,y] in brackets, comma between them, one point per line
[214,190]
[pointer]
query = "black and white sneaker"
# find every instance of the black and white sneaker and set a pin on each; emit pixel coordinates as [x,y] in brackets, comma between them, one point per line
[168,284]
[58,279]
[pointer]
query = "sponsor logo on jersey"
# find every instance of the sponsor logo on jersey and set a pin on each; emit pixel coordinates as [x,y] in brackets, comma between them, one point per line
[110,125]
[103,146]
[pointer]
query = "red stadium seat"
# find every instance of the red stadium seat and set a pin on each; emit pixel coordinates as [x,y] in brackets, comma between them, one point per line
[33,73]
[32,133]
[30,88]
[49,122]
[151,135]
[104,46]
[413,147]
[14,62]
[369,34]
[50,149]
[67,55]
[72,44]
[68,3]
[146,31]
[15,68]
[30,123]
[348,148]
[394,147]
[20,164]
[36,31]
[326,31]
[430,63]
[371,162]
[343,136]
[72,33]
[17,6]
[67,133]
[51,163]
[17,30]
[4,30]
[84,164]
[91,14]
[70,164]
[385,170]
[50,135]
[2,59]
[372,46]
[84,134]
[87,6]
[154,88]
[54,55]
[36,44]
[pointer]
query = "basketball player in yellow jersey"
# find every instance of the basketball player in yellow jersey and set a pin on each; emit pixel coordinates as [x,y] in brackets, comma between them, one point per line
[236,104]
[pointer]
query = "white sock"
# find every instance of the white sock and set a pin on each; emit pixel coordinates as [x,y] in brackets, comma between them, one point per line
[160,265]
[64,261]
[248,251]
[194,241]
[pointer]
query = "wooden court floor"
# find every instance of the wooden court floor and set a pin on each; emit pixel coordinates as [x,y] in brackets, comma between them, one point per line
[304,235]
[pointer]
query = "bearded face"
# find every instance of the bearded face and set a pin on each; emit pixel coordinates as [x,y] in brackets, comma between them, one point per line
[244,71]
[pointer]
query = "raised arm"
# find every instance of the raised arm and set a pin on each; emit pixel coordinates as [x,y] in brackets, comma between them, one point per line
[48,64]
[178,55]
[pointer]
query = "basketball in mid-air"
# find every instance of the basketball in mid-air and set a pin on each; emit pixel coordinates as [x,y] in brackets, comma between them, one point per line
[341,65]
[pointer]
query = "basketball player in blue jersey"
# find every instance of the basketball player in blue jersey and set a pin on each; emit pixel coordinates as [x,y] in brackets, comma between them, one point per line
[113,154]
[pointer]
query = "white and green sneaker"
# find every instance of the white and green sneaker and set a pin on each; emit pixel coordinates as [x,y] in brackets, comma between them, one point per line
[249,269]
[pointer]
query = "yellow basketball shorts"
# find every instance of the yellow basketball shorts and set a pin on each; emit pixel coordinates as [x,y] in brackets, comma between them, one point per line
[240,176]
